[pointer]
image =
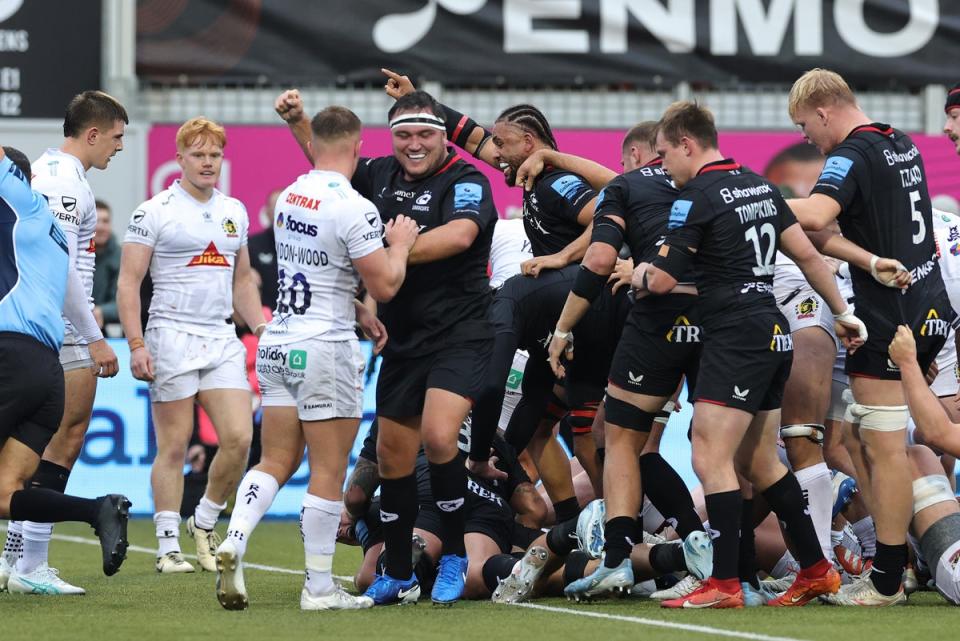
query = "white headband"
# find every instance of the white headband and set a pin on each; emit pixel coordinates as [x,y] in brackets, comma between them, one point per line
[422,118]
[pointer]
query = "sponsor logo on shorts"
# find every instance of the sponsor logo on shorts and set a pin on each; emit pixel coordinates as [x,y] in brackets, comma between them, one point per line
[298,359]
[891,366]
[229,227]
[210,257]
[934,325]
[633,379]
[740,394]
[450,506]
[388,517]
[514,379]
[683,331]
[780,342]
[807,308]
[483,492]
[326,405]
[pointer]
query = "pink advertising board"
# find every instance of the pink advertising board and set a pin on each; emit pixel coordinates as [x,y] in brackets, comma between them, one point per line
[260,159]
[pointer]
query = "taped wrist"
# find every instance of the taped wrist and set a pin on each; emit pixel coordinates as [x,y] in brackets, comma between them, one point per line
[674,262]
[609,231]
[459,127]
[588,284]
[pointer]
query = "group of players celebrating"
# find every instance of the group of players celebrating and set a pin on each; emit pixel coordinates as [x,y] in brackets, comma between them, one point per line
[686,270]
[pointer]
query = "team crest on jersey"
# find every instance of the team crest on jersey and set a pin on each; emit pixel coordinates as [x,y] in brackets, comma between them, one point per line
[424,198]
[229,226]
[210,257]
[934,325]
[807,308]
[780,342]
[683,331]
[69,202]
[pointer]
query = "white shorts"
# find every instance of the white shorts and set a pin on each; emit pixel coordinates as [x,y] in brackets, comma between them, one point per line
[513,391]
[184,364]
[322,379]
[946,382]
[799,303]
[947,574]
[74,354]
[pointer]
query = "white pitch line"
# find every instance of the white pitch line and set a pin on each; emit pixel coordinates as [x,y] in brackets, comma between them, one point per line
[533,606]
[658,623]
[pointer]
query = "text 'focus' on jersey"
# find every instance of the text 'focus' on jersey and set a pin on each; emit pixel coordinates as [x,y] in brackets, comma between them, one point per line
[550,211]
[195,248]
[733,219]
[61,178]
[443,302]
[877,177]
[321,225]
[33,261]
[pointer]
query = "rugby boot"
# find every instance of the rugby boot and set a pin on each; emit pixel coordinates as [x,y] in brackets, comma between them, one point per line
[450,581]
[602,581]
[231,590]
[386,590]
[517,587]
[338,599]
[43,580]
[810,583]
[712,594]
[111,529]
[207,543]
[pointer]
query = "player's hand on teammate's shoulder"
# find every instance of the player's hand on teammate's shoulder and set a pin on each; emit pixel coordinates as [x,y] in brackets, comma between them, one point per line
[289,105]
[397,85]
[105,363]
[531,168]
[903,347]
[401,231]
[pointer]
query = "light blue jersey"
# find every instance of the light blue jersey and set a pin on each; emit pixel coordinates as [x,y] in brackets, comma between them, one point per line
[33,261]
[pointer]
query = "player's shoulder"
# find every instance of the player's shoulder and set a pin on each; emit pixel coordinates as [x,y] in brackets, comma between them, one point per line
[57,172]
[559,182]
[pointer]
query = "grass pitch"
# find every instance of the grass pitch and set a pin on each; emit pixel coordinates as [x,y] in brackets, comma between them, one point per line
[138,604]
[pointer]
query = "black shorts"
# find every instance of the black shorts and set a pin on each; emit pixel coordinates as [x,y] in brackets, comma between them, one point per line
[660,344]
[483,517]
[31,391]
[746,365]
[404,382]
[930,329]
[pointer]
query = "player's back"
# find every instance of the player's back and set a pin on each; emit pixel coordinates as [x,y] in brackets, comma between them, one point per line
[33,261]
[320,224]
[643,198]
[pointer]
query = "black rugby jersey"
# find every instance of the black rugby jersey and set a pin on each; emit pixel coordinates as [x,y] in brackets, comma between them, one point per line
[733,218]
[550,210]
[877,177]
[446,301]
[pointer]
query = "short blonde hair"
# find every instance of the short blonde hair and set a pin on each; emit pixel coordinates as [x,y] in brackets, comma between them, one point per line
[819,88]
[202,129]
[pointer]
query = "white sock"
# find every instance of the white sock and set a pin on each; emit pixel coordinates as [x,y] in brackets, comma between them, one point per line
[168,532]
[786,565]
[254,497]
[207,512]
[817,486]
[36,544]
[866,531]
[836,537]
[13,546]
[319,520]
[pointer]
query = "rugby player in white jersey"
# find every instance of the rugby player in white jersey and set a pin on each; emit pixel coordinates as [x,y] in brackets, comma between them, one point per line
[193,239]
[93,132]
[309,363]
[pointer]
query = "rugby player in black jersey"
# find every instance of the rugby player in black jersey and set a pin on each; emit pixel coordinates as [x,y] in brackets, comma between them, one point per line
[874,185]
[557,209]
[727,224]
[660,344]
[439,336]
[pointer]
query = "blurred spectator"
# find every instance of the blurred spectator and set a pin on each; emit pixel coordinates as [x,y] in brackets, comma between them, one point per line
[795,169]
[263,253]
[107,268]
[947,203]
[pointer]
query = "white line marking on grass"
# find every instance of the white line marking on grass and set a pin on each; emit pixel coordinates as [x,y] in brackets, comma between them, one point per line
[657,623]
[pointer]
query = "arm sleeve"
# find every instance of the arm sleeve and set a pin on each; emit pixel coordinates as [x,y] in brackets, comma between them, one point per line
[470,197]
[842,176]
[360,228]
[565,195]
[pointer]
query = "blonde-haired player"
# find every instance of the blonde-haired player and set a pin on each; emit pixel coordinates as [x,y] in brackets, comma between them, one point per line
[193,240]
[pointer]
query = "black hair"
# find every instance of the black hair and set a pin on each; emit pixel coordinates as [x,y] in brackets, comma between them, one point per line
[417,101]
[531,120]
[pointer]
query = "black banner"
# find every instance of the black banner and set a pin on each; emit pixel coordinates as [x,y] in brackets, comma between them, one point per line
[49,52]
[874,43]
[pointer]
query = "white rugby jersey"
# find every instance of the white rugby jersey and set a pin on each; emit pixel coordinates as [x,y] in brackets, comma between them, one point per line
[321,224]
[195,248]
[946,229]
[509,248]
[60,177]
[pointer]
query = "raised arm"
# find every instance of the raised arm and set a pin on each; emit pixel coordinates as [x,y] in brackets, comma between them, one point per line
[289,106]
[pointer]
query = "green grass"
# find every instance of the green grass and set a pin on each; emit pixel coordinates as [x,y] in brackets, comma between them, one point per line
[138,604]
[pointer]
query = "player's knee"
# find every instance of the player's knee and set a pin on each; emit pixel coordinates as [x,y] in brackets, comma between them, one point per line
[439,447]
[236,442]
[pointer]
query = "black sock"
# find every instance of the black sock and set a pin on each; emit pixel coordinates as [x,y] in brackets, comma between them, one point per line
[667,557]
[398,503]
[747,566]
[42,505]
[723,510]
[567,509]
[498,566]
[668,493]
[51,476]
[575,566]
[620,534]
[562,538]
[888,567]
[786,500]
[448,483]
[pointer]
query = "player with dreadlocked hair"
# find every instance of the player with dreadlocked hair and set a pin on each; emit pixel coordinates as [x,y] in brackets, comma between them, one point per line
[558,212]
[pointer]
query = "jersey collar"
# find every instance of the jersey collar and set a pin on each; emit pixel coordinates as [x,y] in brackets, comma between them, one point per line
[727,164]
[53,151]
[874,127]
[186,194]
[656,162]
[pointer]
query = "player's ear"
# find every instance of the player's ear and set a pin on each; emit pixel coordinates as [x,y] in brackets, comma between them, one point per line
[92,135]
[822,116]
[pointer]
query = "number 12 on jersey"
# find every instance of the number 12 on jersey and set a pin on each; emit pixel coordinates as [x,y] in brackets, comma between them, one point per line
[755,235]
